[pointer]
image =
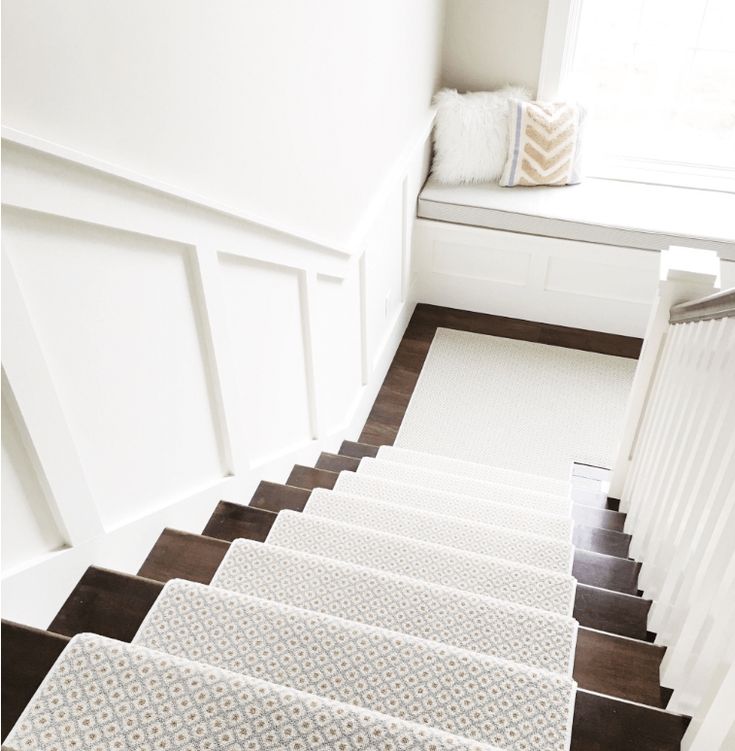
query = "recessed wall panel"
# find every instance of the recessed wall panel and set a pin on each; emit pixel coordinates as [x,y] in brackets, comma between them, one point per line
[114,314]
[28,527]
[265,335]
[337,327]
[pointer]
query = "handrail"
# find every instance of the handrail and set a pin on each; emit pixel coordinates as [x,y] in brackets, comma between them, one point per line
[719,305]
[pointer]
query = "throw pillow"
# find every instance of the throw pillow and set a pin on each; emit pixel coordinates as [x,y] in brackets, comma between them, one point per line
[544,144]
[471,134]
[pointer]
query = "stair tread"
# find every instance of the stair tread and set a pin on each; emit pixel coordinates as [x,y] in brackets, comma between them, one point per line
[27,656]
[183,555]
[598,517]
[234,703]
[428,526]
[605,541]
[358,450]
[336,462]
[310,477]
[520,688]
[613,612]
[273,496]
[106,602]
[229,521]
[589,567]
[600,723]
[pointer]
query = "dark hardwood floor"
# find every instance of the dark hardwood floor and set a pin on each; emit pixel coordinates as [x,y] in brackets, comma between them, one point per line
[385,417]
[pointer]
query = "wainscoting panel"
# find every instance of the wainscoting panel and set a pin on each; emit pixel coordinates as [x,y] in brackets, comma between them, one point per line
[163,353]
[383,268]
[584,285]
[115,320]
[264,329]
[29,528]
[337,347]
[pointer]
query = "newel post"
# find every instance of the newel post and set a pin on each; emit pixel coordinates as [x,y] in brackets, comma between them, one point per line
[685,274]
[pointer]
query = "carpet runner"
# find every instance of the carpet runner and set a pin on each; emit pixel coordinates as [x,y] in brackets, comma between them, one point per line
[102,694]
[477,471]
[398,603]
[422,477]
[454,504]
[455,690]
[497,542]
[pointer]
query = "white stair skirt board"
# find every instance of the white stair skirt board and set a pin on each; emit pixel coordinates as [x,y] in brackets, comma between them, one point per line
[103,694]
[522,635]
[489,491]
[438,564]
[477,471]
[456,505]
[455,690]
[520,405]
[497,542]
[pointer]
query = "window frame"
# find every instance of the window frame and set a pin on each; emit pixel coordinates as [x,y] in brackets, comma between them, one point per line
[557,58]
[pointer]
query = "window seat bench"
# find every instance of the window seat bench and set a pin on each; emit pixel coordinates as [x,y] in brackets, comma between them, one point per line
[584,256]
[634,215]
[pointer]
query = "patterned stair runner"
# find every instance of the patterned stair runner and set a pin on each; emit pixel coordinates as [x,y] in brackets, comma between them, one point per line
[497,542]
[417,475]
[484,472]
[454,504]
[102,694]
[438,564]
[455,690]
[398,603]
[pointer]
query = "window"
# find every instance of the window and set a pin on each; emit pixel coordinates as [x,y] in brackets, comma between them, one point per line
[658,80]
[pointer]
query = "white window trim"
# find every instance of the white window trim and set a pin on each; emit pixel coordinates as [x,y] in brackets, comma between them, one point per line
[557,57]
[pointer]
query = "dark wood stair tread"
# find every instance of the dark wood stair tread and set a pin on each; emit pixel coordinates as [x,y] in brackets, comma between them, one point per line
[310,477]
[606,571]
[182,555]
[620,667]
[598,517]
[604,724]
[614,612]
[108,603]
[604,541]
[273,496]
[358,450]
[231,520]
[27,656]
[337,462]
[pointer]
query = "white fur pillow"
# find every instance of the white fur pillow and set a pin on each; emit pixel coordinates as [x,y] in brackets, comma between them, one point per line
[471,134]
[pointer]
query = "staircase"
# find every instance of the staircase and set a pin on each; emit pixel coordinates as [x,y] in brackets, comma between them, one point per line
[383,598]
[344,537]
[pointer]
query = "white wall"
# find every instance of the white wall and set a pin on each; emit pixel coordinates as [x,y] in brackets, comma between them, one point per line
[160,354]
[489,43]
[291,108]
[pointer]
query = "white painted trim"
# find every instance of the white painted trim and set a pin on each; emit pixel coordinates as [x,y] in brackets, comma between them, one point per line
[220,369]
[42,421]
[562,22]
[63,152]
[364,353]
[307,295]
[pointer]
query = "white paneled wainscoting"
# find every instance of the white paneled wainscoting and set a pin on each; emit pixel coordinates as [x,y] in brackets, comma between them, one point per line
[675,476]
[161,353]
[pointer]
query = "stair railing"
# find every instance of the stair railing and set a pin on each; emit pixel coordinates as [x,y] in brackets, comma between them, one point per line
[675,477]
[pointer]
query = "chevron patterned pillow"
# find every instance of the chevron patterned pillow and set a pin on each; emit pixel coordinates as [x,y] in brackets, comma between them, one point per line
[544,146]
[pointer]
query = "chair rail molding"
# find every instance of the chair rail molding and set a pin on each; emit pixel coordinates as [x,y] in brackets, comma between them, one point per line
[162,352]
